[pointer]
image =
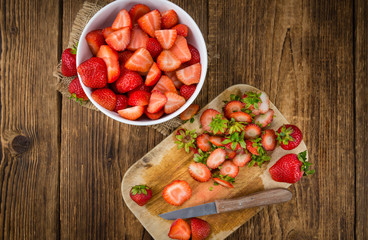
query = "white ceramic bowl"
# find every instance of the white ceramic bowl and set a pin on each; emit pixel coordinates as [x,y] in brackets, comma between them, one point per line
[105,17]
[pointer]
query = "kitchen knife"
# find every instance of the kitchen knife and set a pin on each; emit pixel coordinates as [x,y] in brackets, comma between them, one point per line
[263,198]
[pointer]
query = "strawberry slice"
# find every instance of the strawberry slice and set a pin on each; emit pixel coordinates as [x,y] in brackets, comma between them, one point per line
[150,22]
[167,61]
[190,75]
[156,102]
[138,11]
[138,39]
[166,38]
[252,131]
[172,76]
[169,19]
[200,229]
[241,117]
[154,116]
[181,29]
[180,229]
[251,147]
[111,58]
[165,84]
[140,61]
[230,153]
[223,182]
[264,119]
[139,98]
[217,141]
[203,142]
[265,105]
[95,40]
[174,102]
[119,39]
[177,192]
[154,47]
[106,31]
[231,107]
[195,56]
[229,168]
[180,49]
[132,113]
[189,112]
[242,158]
[199,171]
[122,20]
[216,158]
[153,75]
[206,118]
[269,140]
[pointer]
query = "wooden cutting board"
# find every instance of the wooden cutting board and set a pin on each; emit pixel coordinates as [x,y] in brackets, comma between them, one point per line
[166,163]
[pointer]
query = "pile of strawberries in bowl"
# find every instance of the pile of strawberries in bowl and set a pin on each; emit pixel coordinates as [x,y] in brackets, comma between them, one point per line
[140,65]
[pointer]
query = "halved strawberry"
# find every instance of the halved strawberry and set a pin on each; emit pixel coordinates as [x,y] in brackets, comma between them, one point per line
[252,131]
[105,97]
[216,158]
[223,182]
[156,102]
[140,61]
[154,116]
[166,38]
[203,142]
[138,39]
[189,112]
[269,140]
[241,117]
[150,22]
[169,19]
[217,141]
[181,29]
[231,107]
[153,75]
[106,31]
[174,102]
[165,84]
[190,75]
[195,56]
[264,119]
[199,172]
[123,57]
[265,105]
[177,192]
[111,58]
[128,81]
[230,153]
[167,61]
[179,229]
[200,229]
[139,98]
[242,158]
[95,40]
[132,113]
[206,118]
[138,11]
[119,39]
[177,83]
[229,168]
[122,20]
[180,49]
[154,47]
[251,147]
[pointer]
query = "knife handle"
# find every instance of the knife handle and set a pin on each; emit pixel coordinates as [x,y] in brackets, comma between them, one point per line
[272,196]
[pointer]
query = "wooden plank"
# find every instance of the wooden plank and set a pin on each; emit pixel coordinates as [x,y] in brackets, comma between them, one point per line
[29,183]
[361,119]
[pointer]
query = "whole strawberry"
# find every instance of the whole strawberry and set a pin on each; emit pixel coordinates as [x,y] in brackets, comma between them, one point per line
[68,62]
[187,91]
[140,194]
[154,47]
[291,167]
[200,229]
[93,73]
[121,102]
[289,136]
[76,91]
[128,81]
[105,97]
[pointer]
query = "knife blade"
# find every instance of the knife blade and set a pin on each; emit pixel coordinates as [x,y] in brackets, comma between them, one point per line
[263,198]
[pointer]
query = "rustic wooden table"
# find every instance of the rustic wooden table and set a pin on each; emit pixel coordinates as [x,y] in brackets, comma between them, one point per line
[62,165]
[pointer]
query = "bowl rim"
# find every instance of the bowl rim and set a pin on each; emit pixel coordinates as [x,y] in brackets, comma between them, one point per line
[204,65]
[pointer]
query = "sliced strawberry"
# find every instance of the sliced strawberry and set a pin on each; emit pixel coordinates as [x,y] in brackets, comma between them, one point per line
[242,158]
[223,182]
[230,153]
[206,118]
[128,81]
[105,97]
[167,61]
[122,20]
[169,19]
[195,56]
[229,168]
[216,158]
[153,75]
[177,192]
[203,142]
[252,131]
[106,31]
[123,57]
[265,105]
[187,91]
[172,76]
[139,98]
[180,229]
[199,172]
[154,47]
[251,147]
[166,38]
[200,229]
[241,117]
[111,58]
[217,141]
[132,113]
[95,40]
[156,102]
[140,61]
[165,84]
[190,75]
[150,22]
[189,112]
[264,119]
[154,116]
[181,29]
[119,39]
[180,49]
[121,102]
[231,107]
[174,102]
[137,11]
[138,39]
[269,140]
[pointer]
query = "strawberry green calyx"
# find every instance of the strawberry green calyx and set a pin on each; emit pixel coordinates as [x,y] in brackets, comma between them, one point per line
[236,126]
[201,157]
[262,157]
[252,98]
[219,124]
[139,189]
[226,178]
[234,139]
[305,164]
[80,100]
[186,139]
[74,48]
[285,135]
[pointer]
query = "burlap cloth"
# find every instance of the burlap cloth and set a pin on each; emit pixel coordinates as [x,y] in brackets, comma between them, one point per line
[84,15]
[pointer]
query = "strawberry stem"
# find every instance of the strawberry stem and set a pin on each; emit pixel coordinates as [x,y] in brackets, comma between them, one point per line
[305,164]
[284,136]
